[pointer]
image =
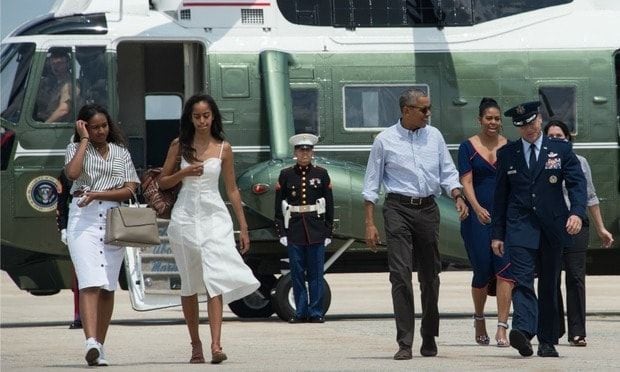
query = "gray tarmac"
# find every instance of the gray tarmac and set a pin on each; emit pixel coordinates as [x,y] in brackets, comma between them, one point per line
[359,334]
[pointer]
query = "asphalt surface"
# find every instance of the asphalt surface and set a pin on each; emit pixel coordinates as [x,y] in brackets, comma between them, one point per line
[359,334]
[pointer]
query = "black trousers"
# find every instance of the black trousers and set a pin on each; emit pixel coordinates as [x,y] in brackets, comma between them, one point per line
[574,262]
[412,242]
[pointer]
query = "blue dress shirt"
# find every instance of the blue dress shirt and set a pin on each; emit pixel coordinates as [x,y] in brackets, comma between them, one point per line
[413,163]
[526,148]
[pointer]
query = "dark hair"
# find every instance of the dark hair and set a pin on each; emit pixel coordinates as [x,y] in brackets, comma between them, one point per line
[187,130]
[560,124]
[60,52]
[487,103]
[114,133]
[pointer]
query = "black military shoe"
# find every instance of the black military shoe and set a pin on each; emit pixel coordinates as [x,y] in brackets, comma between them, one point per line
[521,342]
[429,347]
[547,350]
[295,320]
[404,353]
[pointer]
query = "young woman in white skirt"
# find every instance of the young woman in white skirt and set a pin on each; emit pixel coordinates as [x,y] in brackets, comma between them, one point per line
[103,175]
[201,228]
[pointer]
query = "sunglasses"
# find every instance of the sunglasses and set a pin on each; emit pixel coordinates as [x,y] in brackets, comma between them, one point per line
[424,110]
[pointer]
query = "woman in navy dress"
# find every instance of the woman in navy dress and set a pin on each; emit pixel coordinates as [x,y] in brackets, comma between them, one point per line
[477,157]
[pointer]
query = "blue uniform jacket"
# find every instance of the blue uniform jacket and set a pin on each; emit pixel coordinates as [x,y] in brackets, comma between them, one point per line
[303,186]
[528,202]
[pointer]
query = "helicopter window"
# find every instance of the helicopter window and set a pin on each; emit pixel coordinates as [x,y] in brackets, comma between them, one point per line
[488,10]
[84,24]
[306,110]
[559,103]
[54,98]
[15,63]
[404,13]
[373,106]
[91,76]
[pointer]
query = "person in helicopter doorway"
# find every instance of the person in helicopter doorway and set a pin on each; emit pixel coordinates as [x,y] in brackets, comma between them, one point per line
[304,216]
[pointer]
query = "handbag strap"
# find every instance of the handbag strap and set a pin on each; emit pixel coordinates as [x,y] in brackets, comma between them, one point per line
[133,197]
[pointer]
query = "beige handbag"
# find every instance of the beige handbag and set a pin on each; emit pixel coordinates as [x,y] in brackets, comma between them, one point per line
[131,227]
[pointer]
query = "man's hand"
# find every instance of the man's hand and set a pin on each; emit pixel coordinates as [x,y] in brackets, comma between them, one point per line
[63,236]
[573,225]
[372,237]
[461,208]
[498,247]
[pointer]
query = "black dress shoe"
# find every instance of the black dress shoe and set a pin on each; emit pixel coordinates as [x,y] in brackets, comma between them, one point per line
[319,319]
[77,324]
[295,320]
[521,342]
[429,347]
[404,353]
[547,350]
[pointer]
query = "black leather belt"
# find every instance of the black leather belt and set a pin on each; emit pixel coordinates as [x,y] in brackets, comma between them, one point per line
[410,200]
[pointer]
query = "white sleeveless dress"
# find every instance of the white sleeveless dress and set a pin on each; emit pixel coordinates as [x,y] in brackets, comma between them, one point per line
[202,240]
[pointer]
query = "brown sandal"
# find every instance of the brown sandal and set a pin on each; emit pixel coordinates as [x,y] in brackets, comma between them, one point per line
[197,356]
[218,357]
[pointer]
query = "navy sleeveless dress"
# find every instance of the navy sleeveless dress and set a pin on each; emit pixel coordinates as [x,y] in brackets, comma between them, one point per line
[476,236]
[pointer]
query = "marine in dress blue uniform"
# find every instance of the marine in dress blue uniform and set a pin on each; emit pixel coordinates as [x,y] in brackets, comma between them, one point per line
[304,216]
[532,224]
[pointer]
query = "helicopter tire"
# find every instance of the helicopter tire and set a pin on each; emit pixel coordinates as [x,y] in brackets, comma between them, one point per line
[257,304]
[43,292]
[283,301]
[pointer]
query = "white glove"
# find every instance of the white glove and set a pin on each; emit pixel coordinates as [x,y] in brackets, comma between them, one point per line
[63,236]
[327,241]
[284,241]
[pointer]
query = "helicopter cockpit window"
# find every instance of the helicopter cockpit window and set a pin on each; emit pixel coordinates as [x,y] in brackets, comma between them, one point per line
[54,98]
[559,103]
[370,107]
[306,110]
[15,63]
[91,75]
[404,13]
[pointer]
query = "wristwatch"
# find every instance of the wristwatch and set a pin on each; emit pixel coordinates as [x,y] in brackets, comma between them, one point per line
[459,195]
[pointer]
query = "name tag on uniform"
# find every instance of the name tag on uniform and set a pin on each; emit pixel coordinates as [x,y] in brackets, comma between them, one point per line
[513,171]
[553,163]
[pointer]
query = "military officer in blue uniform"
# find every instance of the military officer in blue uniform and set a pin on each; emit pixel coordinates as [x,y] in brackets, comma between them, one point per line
[532,224]
[304,216]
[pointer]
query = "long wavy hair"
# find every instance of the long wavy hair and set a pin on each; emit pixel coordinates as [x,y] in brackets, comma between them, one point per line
[187,130]
[115,135]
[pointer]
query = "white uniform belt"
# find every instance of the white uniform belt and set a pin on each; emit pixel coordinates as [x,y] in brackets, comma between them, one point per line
[303,208]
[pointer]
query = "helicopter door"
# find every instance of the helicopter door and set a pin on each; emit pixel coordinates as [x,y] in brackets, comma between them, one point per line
[153,80]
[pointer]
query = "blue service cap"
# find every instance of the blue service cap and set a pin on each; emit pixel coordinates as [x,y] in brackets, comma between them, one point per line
[524,113]
[303,140]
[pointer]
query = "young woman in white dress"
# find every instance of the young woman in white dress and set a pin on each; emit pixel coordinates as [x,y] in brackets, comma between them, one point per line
[201,229]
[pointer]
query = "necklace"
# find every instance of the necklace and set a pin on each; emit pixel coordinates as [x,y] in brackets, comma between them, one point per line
[102,149]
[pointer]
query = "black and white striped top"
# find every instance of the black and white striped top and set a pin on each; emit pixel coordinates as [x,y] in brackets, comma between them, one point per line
[103,174]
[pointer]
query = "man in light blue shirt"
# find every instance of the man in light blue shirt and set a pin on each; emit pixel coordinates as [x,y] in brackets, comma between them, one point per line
[411,161]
